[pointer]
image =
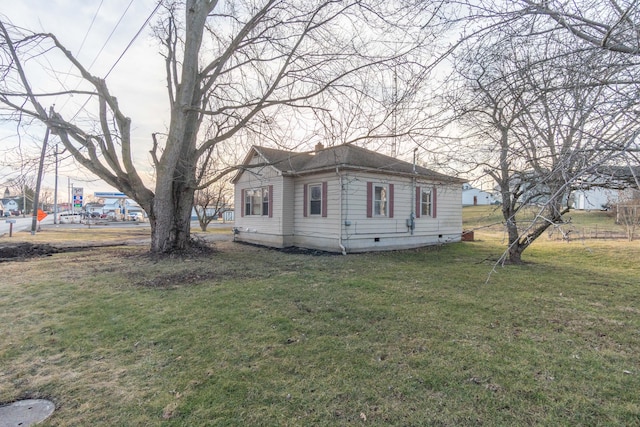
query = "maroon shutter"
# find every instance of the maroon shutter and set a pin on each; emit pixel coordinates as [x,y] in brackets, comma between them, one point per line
[242,206]
[270,201]
[304,200]
[390,200]
[418,202]
[369,199]
[324,199]
[434,202]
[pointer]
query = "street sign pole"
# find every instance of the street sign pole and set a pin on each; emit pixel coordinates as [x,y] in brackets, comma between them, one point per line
[11,222]
[77,197]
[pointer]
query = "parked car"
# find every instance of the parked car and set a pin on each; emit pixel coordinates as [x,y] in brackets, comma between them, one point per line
[135,216]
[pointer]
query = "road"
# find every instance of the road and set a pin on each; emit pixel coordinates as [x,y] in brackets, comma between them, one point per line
[20,224]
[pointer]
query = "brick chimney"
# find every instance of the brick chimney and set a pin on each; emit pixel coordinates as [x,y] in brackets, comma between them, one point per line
[319,146]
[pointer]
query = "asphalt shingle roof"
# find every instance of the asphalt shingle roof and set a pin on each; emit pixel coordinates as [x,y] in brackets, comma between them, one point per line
[346,156]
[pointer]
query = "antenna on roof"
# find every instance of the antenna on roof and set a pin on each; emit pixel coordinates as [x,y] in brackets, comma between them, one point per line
[394,118]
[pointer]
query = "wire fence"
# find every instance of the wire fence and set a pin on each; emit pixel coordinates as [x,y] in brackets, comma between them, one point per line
[568,232]
[573,232]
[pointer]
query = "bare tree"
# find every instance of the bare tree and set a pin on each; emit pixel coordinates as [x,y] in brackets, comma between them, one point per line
[211,202]
[230,65]
[627,211]
[541,123]
[21,188]
[612,25]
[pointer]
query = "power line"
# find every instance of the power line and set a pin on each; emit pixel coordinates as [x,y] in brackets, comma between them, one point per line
[84,39]
[134,38]
[86,35]
[110,35]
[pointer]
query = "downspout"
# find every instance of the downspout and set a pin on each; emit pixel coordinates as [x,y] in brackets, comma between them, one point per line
[342,248]
[414,201]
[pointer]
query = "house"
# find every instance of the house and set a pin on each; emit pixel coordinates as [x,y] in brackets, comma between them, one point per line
[343,199]
[594,198]
[474,197]
[11,204]
[605,187]
[120,208]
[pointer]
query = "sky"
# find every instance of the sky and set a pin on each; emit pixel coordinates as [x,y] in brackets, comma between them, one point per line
[97,32]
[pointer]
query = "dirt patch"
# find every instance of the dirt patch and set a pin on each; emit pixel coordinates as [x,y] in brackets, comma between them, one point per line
[294,250]
[17,251]
[24,250]
[176,280]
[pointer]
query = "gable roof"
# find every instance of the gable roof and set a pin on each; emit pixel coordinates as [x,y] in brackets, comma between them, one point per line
[346,156]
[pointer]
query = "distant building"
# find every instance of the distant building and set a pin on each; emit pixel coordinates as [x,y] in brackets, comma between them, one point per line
[10,204]
[604,189]
[119,208]
[476,197]
[595,198]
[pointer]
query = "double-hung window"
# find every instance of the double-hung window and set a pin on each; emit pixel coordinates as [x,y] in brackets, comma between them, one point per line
[380,200]
[265,201]
[315,199]
[425,203]
[257,201]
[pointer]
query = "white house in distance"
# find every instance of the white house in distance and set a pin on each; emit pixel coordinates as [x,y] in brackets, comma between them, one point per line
[606,187]
[595,198]
[343,199]
[476,197]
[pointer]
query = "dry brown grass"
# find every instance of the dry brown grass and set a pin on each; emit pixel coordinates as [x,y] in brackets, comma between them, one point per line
[81,235]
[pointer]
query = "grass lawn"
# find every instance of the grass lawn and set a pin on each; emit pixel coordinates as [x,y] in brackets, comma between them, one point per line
[256,337]
[598,224]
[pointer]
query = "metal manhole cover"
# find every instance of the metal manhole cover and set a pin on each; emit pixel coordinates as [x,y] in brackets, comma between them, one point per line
[24,413]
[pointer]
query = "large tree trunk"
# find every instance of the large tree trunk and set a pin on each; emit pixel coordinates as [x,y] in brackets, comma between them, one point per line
[175,180]
[515,249]
[171,230]
[552,214]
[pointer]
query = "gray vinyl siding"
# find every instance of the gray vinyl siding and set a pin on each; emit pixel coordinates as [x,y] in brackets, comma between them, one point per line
[384,233]
[346,223]
[261,229]
[316,231]
[288,210]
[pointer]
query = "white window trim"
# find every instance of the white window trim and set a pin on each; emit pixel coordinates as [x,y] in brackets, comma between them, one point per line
[309,199]
[375,201]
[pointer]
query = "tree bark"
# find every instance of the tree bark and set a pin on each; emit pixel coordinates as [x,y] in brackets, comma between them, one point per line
[175,183]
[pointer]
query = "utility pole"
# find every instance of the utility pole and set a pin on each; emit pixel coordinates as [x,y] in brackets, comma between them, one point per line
[36,196]
[55,191]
